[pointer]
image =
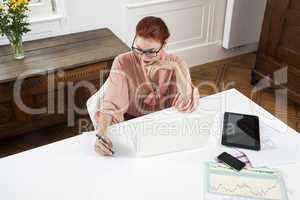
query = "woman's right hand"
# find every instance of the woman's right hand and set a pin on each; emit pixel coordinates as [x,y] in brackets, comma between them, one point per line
[103,145]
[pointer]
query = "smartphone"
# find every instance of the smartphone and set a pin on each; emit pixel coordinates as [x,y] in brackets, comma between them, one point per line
[231,161]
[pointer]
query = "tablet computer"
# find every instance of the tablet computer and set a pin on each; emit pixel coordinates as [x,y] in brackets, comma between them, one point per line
[241,130]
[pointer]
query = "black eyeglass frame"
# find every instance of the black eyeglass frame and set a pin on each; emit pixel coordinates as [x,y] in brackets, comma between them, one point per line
[145,52]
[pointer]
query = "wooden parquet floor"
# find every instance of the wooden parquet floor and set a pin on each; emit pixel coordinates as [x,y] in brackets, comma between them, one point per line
[236,73]
[210,79]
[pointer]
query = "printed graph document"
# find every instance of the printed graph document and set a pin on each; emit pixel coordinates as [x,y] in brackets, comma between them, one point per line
[221,182]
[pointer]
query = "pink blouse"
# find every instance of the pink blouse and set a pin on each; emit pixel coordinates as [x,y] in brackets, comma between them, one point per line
[131,91]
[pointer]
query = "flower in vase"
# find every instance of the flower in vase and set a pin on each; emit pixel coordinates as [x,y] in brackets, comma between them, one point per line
[13,23]
[1,8]
[18,4]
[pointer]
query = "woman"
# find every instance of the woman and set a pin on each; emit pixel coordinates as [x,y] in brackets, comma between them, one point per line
[145,80]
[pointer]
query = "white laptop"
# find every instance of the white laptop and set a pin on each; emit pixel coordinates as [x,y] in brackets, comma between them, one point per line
[164,132]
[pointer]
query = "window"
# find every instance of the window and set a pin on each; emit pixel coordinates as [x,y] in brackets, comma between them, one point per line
[40,8]
[46,19]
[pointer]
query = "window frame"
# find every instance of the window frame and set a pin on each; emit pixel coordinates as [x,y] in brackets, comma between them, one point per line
[45,25]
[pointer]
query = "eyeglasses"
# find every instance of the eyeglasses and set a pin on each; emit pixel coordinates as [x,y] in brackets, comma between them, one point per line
[148,53]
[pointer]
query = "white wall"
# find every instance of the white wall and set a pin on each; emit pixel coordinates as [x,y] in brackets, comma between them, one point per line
[242,24]
[77,16]
[196,25]
[93,14]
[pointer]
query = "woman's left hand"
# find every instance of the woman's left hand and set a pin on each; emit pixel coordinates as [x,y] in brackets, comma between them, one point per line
[167,65]
[184,86]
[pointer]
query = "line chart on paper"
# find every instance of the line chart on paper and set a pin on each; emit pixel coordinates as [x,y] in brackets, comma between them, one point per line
[251,184]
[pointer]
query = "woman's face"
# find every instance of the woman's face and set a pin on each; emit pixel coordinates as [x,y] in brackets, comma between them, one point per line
[151,47]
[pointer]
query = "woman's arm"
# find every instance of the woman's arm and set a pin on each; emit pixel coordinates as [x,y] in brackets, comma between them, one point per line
[182,80]
[187,99]
[116,99]
[187,95]
[185,88]
[112,108]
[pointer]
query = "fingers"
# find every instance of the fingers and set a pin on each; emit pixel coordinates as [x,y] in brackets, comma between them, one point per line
[186,107]
[193,108]
[107,141]
[182,103]
[162,66]
[104,137]
[195,103]
[102,149]
[152,71]
[104,145]
[167,65]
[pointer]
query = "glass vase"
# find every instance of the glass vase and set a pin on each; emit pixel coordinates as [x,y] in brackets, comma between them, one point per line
[18,50]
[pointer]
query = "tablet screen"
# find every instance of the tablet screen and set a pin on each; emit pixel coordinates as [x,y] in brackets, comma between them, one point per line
[241,131]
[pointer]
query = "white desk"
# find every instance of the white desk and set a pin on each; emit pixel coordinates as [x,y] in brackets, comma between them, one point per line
[71,170]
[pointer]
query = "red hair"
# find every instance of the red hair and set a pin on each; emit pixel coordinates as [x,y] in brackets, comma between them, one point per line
[153,28]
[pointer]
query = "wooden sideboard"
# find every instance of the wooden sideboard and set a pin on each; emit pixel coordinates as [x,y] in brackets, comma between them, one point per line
[52,71]
[279,47]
